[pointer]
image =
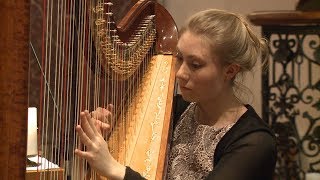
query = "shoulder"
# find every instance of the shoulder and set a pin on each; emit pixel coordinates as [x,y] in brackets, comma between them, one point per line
[248,123]
[250,129]
[252,156]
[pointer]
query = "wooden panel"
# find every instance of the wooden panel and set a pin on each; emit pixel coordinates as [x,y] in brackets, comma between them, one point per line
[14,55]
[284,17]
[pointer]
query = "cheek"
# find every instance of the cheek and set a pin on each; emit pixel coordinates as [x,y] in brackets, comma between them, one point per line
[206,77]
[207,83]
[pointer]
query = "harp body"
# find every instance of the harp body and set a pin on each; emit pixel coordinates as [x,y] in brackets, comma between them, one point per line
[125,62]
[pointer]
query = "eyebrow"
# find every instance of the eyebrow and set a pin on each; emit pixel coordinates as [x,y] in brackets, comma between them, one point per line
[190,57]
[196,58]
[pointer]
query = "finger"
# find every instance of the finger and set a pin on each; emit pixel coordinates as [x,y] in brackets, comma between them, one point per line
[82,154]
[96,114]
[103,114]
[85,125]
[110,107]
[83,137]
[99,114]
[91,122]
[109,114]
[107,117]
[105,130]
[105,127]
[98,125]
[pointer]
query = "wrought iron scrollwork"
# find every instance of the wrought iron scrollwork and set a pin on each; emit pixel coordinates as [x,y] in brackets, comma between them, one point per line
[291,98]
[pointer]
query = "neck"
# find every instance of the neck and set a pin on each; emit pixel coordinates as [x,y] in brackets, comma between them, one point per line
[224,110]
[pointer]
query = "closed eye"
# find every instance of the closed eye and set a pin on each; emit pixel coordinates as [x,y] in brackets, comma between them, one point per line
[196,65]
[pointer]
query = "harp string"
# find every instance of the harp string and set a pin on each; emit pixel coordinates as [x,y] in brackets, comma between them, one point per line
[78,63]
[46,103]
[82,56]
[55,122]
[73,118]
[71,108]
[68,74]
[106,82]
[59,84]
[97,74]
[46,99]
[62,89]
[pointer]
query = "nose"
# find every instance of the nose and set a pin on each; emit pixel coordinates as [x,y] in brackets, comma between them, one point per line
[182,72]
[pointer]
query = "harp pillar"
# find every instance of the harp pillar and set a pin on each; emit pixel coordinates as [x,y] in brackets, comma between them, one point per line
[14,64]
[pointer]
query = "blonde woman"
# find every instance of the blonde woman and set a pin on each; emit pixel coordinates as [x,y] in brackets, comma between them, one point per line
[218,136]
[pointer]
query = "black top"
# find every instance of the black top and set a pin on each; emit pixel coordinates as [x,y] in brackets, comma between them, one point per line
[246,152]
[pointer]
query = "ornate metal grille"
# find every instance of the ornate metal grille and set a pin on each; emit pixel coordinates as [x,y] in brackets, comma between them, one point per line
[291,98]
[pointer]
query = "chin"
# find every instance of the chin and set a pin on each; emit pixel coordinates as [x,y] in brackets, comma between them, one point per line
[187,98]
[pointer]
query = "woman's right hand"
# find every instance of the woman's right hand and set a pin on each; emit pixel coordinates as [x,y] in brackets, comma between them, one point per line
[97,152]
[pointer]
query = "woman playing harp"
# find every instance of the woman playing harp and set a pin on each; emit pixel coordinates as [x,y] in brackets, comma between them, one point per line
[218,136]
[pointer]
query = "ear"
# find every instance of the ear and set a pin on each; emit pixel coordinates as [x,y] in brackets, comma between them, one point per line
[231,71]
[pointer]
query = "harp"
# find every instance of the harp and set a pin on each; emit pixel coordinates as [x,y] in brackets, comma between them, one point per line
[86,56]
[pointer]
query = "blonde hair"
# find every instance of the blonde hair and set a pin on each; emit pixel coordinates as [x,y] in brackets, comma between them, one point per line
[230,38]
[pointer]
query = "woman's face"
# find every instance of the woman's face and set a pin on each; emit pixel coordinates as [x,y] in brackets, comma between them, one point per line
[199,74]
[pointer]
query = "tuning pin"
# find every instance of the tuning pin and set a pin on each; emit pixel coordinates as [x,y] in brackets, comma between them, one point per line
[109,3]
[109,14]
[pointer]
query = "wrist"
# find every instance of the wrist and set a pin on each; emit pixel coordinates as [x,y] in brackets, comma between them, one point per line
[117,171]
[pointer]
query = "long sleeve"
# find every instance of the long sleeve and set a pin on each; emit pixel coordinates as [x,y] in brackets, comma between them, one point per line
[252,157]
[132,175]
